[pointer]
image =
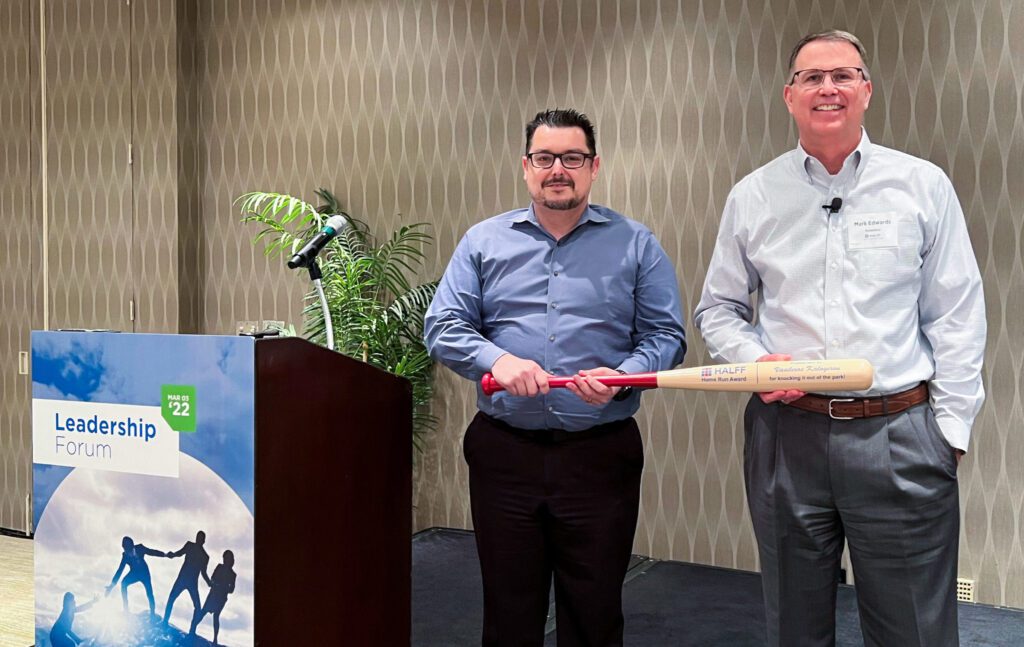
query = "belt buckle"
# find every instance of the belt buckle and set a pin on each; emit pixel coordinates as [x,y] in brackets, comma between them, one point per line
[834,416]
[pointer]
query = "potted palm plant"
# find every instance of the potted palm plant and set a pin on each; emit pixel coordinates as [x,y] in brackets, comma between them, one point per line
[376,308]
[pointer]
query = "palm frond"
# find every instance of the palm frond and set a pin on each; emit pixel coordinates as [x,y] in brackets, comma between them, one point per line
[399,256]
[410,308]
[279,208]
[374,307]
[285,220]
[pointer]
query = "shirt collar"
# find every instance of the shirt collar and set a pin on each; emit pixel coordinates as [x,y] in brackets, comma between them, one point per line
[853,165]
[590,214]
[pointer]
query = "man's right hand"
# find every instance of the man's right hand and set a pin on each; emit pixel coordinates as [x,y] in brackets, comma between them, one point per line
[523,377]
[785,396]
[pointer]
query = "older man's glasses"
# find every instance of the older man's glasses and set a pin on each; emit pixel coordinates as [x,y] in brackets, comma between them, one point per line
[841,77]
[569,160]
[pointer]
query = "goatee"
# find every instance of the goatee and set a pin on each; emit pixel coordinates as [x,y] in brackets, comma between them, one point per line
[563,205]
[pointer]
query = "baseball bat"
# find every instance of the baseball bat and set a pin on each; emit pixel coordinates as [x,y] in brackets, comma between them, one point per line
[806,375]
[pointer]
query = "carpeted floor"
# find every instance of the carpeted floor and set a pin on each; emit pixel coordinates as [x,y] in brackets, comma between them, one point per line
[665,603]
[16,597]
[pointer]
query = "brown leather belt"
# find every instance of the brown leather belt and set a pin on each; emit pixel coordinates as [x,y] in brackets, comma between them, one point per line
[850,408]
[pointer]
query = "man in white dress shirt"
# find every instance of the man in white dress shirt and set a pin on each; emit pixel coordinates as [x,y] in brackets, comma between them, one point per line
[851,250]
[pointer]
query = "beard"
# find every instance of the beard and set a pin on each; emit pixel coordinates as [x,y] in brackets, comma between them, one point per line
[564,204]
[560,204]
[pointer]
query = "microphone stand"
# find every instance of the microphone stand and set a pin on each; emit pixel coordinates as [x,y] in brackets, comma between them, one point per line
[316,275]
[307,258]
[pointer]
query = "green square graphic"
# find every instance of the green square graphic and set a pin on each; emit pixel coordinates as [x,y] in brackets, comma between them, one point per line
[178,406]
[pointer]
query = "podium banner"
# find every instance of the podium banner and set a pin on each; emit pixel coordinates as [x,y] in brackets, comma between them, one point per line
[143,466]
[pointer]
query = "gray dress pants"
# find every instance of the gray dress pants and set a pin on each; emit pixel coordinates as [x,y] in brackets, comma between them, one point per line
[888,486]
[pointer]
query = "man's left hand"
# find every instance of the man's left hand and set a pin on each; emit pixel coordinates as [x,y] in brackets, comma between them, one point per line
[785,396]
[590,390]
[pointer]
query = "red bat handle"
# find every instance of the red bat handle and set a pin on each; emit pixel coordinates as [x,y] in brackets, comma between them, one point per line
[491,386]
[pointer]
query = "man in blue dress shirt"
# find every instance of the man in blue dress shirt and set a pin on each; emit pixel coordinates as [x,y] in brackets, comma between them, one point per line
[562,287]
[852,250]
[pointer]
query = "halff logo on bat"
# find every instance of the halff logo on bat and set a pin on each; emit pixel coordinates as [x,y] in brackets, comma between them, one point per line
[726,370]
[724,373]
[729,369]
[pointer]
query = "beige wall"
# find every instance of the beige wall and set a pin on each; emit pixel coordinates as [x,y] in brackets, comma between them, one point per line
[414,110]
[20,302]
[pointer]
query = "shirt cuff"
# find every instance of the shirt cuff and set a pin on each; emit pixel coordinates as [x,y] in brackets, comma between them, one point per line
[632,365]
[486,358]
[956,433]
[749,353]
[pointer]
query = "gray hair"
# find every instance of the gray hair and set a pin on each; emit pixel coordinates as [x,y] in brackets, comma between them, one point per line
[831,35]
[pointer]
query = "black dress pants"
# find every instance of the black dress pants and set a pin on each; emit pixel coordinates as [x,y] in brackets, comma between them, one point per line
[553,504]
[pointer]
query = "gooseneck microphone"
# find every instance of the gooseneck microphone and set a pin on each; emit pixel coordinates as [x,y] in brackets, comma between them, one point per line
[307,254]
[834,206]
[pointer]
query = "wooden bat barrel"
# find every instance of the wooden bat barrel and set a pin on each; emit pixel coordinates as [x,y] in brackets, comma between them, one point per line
[806,375]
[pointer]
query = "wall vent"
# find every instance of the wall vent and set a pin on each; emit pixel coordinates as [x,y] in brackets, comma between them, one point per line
[964,590]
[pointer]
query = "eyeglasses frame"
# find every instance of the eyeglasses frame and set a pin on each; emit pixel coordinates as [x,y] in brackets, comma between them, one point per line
[558,158]
[863,75]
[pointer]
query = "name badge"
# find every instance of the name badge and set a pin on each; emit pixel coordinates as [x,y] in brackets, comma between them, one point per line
[872,231]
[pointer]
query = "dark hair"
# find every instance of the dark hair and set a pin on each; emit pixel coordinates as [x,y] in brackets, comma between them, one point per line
[562,119]
[831,35]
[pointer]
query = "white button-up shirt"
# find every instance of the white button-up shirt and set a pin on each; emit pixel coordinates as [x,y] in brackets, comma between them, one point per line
[891,277]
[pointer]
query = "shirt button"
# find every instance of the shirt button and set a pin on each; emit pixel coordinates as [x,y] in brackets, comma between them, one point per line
[835,302]
[835,228]
[551,338]
[554,306]
[550,409]
[556,273]
[835,343]
[835,265]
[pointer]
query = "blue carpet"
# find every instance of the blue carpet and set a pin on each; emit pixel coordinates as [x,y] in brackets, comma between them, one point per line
[665,603]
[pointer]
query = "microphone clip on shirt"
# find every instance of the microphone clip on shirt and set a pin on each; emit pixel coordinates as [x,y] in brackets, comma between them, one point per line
[834,206]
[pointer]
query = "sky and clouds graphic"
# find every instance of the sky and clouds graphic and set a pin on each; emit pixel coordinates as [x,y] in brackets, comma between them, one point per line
[82,514]
[130,369]
[78,545]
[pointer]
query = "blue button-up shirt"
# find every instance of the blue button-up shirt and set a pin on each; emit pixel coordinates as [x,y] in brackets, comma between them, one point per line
[603,295]
[890,277]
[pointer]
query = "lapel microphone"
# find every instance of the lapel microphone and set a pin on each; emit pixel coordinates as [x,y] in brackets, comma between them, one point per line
[834,206]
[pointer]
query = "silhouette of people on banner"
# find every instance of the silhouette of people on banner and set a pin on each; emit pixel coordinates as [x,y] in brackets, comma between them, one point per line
[62,634]
[134,557]
[221,585]
[196,561]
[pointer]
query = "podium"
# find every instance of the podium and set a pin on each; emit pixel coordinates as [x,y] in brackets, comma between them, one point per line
[284,469]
